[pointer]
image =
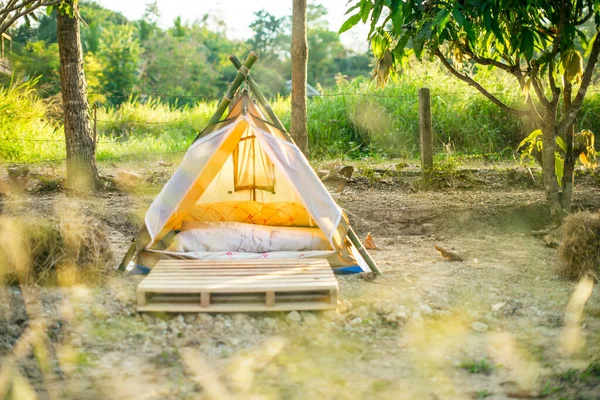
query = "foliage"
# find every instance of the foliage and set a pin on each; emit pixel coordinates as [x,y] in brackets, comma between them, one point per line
[532,147]
[119,54]
[140,56]
[540,43]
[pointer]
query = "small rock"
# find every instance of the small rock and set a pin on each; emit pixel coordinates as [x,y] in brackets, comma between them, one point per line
[498,306]
[162,326]
[294,316]
[190,317]
[204,319]
[269,323]
[247,328]
[384,308]
[356,321]
[438,301]
[148,319]
[425,309]
[180,320]
[362,312]
[479,327]
[397,316]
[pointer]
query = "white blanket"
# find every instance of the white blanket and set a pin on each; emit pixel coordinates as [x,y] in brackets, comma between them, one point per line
[245,238]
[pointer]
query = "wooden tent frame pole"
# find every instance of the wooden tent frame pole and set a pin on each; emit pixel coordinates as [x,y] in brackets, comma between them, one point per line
[261,98]
[363,252]
[233,87]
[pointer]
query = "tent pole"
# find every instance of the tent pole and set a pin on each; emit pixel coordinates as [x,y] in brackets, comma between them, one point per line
[260,97]
[233,87]
[363,252]
[128,257]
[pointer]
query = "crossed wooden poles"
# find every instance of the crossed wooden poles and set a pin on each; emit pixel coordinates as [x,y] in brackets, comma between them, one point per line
[243,75]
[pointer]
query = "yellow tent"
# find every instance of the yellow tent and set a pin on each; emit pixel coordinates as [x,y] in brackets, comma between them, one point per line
[242,175]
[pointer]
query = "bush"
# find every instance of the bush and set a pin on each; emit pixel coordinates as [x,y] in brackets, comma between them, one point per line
[53,251]
[579,252]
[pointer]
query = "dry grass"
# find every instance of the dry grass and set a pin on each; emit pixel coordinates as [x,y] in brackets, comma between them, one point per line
[63,251]
[579,252]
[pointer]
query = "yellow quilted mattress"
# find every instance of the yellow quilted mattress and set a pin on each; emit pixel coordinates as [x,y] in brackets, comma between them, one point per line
[285,213]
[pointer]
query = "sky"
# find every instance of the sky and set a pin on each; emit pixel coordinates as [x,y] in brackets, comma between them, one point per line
[238,14]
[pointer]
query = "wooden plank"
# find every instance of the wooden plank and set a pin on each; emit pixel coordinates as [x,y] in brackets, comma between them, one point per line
[225,286]
[252,307]
[264,261]
[204,299]
[270,298]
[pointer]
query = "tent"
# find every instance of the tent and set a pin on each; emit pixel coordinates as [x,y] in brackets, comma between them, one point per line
[241,179]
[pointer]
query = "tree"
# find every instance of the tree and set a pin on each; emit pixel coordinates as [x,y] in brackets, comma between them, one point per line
[81,163]
[12,10]
[538,42]
[119,53]
[299,128]
[268,31]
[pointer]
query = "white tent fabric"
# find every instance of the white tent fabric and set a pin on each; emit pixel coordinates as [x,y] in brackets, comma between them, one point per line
[203,163]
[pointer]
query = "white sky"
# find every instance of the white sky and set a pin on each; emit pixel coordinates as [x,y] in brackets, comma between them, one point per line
[238,14]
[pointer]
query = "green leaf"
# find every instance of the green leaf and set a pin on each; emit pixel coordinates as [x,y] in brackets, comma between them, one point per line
[350,22]
[532,137]
[418,43]
[354,7]
[49,10]
[561,143]
[527,44]
[441,19]
[399,49]
[459,17]
[398,20]
[365,9]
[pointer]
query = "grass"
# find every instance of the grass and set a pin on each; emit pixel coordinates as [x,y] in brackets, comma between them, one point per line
[482,366]
[352,120]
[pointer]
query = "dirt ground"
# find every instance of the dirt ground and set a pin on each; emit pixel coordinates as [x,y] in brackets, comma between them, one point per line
[494,326]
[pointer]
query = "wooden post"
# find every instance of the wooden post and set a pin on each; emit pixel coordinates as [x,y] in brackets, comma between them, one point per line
[425,130]
[95,127]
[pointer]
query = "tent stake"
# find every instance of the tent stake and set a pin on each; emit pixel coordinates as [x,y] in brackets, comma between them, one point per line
[260,97]
[363,252]
[239,79]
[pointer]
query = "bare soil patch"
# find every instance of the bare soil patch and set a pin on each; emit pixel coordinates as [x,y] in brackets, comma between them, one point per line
[491,327]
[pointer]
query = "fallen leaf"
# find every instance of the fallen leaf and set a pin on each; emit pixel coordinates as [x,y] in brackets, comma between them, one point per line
[448,254]
[369,243]
[346,171]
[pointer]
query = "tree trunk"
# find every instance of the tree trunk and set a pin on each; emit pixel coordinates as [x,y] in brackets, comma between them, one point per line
[299,129]
[82,173]
[549,170]
[570,158]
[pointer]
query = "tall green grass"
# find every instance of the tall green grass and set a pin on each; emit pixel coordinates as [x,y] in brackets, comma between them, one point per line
[352,120]
[25,132]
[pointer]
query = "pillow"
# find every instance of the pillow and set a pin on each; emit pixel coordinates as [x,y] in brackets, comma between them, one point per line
[246,238]
[285,213]
[227,211]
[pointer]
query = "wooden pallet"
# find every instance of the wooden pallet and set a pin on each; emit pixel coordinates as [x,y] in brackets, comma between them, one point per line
[238,286]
